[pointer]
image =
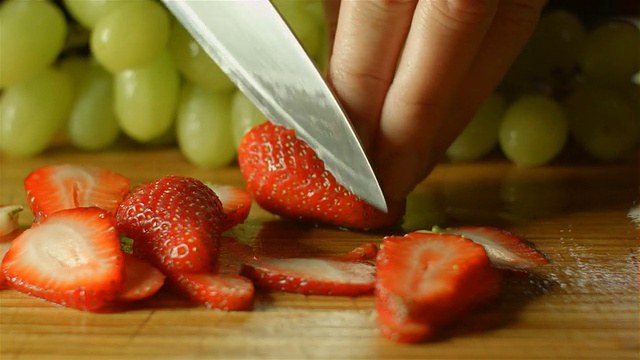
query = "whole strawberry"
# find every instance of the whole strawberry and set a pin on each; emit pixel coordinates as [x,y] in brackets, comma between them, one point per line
[174,223]
[285,177]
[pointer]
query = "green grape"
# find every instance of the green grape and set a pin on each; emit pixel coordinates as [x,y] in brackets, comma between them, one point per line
[131,35]
[32,112]
[533,130]
[203,127]
[32,35]
[89,12]
[244,116]
[76,67]
[611,53]
[93,124]
[481,133]
[194,63]
[303,23]
[556,42]
[146,98]
[601,121]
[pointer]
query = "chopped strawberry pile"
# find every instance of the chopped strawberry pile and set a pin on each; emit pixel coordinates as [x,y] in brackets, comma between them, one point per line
[72,255]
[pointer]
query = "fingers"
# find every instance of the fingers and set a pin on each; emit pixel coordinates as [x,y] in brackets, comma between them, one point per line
[368,40]
[443,41]
[331,11]
[512,26]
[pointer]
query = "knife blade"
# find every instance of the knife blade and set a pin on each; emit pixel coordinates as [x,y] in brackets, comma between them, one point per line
[254,46]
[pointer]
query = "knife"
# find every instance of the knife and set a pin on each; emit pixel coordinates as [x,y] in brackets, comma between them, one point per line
[254,46]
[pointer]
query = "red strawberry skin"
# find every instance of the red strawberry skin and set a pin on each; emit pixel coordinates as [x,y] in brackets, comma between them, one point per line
[428,280]
[174,223]
[59,187]
[312,276]
[71,258]
[285,177]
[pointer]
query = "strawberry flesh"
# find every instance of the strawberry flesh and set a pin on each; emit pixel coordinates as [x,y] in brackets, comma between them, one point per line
[71,258]
[142,279]
[5,245]
[174,223]
[285,177]
[428,280]
[58,187]
[215,291]
[236,204]
[312,276]
[505,249]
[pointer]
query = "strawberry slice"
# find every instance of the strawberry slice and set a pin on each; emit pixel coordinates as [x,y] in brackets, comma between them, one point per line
[236,204]
[215,291]
[141,279]
[174,223]
[5,245]
[9,216]
[58,187]
[427,280]
[232,255]
[312,276]
[505,250]
[364,252]
[285,176]
[72,258]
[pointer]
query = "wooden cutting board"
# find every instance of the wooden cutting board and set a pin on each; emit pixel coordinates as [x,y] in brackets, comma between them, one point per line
[583,305]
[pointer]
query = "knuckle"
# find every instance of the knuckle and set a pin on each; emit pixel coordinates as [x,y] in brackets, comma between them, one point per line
[461,15]
[357,77]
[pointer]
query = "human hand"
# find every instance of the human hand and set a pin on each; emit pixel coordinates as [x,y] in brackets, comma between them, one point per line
[411,73]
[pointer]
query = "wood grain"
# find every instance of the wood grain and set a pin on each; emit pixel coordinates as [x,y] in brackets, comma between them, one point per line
[583,305]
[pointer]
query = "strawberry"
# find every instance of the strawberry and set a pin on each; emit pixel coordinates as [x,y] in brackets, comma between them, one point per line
[232,255]
[236,204]
[505,250]
[427,280]
[364,252]
[58,187]
[215,291]
[5,245]
[141,279]
[9,216]
[285,177]
[174,223]
[72,258]
[312,276]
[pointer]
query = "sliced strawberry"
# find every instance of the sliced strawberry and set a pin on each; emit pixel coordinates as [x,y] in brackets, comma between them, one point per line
[363,252]
[284,176]
[5,245]
[216,291]
[141,279]
[236,204]
[9,216]
[505,250]
[58,187]
[427,280]
[72,258]
[232,255]
[312,276]
[174,223]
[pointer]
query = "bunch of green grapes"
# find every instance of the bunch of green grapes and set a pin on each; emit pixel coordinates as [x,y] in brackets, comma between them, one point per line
[571,84]
[94,72]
